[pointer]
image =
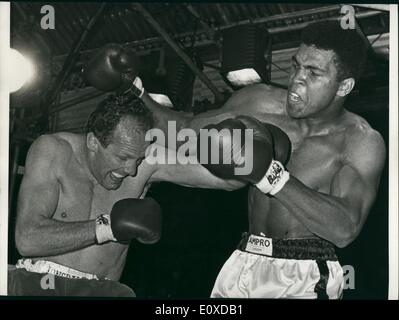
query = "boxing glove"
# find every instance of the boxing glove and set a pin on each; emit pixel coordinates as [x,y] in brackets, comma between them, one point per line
[129,219]
[281,143]
[114,68]
[268,151]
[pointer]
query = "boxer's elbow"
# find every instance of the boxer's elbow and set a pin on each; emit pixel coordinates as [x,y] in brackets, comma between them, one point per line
[23,245]
[25,241]
[347,234]
[343,241]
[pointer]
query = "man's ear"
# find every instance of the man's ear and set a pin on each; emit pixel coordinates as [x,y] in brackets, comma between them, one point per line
[92,142]
[345,87]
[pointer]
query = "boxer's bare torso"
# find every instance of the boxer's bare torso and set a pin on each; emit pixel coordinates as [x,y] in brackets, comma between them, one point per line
[315,159]
[60,198]
[82,198]
[317,155]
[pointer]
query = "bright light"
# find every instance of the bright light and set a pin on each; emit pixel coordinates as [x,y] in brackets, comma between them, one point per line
[243,77]
[20,70]
[161,99]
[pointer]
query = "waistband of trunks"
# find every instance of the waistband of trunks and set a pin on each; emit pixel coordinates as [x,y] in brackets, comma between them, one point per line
[43,266]
[300,249]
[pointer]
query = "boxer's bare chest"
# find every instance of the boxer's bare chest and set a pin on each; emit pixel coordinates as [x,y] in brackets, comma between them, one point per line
[315,159]
[81,198]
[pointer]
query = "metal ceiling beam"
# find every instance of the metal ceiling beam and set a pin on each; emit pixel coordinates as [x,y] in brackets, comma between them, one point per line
[383,7]
[72,58]
[299,26]
[206,27]
[218,96]
[222,13]
[155,43]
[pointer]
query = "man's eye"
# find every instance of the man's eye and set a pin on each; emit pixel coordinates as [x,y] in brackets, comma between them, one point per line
[122,158]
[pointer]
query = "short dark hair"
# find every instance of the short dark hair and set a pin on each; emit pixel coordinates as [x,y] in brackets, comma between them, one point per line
[349,47]
[108,113]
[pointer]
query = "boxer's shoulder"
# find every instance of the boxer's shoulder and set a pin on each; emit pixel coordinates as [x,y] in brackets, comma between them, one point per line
[357,128]
[56,148]
[259,99]
[361,139]
[56,141]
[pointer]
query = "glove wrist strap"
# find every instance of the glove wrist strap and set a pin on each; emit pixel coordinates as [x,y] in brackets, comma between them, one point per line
[137,87]
[103,229]
[131,86]
[274,180]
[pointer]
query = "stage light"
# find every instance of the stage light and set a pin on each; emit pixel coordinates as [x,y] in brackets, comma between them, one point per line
[20,70]
[248,60]
[162,99]
[244,77]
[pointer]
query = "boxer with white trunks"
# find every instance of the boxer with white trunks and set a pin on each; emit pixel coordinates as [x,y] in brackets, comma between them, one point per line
[322,196]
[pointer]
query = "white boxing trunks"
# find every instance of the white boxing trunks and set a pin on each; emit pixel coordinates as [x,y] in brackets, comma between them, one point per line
[280,268]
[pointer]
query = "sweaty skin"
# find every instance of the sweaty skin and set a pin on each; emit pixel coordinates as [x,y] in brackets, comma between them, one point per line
[336,159]
[62,193]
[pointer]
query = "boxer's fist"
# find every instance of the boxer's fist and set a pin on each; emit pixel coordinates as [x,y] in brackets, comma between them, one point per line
[271,149]
[281,141]
[129,219]
[114,68]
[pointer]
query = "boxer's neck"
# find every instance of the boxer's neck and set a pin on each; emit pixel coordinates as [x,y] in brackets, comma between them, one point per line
[86,162]
[323,123]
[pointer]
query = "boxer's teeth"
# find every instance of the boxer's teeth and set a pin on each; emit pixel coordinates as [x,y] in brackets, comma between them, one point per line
[294,96]
[117,175]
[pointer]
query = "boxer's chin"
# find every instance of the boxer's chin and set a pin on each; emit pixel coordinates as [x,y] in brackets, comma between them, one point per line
[295,110]
[111,184]
[112,187]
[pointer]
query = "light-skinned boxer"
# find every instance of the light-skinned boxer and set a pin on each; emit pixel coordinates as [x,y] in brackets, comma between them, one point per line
[82,201]
[320,199]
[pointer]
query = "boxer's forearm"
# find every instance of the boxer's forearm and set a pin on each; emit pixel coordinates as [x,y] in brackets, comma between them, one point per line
[326,216]
[51,237]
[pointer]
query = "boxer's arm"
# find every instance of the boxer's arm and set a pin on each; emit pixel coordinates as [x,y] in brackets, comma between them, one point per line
[162,115]
[260,101]
[339,216]
[182,170]
[37,233]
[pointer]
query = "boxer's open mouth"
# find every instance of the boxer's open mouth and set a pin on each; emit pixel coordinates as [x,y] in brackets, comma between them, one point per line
[116,176]
[294,97]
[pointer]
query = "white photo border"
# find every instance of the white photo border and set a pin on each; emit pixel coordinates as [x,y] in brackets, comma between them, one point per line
[393,290]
